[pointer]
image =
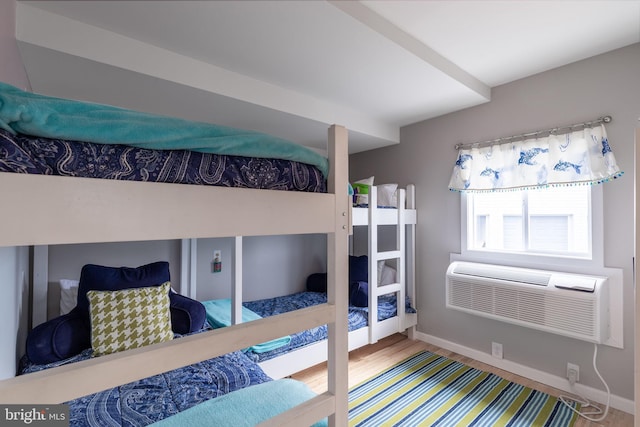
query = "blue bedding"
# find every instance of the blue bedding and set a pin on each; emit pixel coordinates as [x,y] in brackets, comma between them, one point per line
[39,155]
[152,399]
[39,115]
[358,318]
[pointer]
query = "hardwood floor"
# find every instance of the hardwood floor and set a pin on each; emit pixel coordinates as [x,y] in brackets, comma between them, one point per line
[368,361]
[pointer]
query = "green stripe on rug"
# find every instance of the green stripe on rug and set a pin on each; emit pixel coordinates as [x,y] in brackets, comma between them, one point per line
[431,390]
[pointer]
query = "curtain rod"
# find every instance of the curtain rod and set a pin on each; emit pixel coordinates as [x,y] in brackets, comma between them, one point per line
[540,133]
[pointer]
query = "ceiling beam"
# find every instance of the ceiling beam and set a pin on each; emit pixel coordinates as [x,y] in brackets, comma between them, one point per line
[390,31]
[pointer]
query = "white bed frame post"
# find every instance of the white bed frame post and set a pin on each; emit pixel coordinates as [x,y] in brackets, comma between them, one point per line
[236,283]
[410,252]
[636,280]
[373,264]
[40,285]
[337,270]
[188,271]
[401,264]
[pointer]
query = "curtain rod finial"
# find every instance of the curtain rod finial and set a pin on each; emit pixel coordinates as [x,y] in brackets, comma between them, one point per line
[606,119]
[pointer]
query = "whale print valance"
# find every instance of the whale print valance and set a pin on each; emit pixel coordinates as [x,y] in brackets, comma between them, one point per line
[579,157]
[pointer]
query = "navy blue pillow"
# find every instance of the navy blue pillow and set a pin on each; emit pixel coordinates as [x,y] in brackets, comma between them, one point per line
[66,336]
[358,268]
[187,315]
[59,338]
[359,294]
[317,282]
[101,278]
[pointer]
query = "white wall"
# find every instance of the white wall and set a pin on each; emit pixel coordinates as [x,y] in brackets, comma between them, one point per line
[606,84]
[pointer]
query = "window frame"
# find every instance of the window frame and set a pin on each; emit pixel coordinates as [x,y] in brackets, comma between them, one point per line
[536,260]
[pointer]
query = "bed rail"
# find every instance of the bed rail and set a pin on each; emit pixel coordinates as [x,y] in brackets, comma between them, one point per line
[310,411]
[68,382]
[64,210]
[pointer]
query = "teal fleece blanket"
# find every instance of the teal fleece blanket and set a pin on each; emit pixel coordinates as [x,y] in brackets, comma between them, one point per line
[219,316]
[245,407]
[39,115]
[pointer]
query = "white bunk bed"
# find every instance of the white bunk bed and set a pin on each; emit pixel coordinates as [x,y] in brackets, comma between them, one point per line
[44,210]
[404,219]
[368,218]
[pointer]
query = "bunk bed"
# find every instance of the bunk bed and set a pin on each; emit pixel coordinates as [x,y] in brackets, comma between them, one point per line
[42,210]
[368,323]
[308,348]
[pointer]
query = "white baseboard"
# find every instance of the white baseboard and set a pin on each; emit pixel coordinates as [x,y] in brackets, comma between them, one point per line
[554,381]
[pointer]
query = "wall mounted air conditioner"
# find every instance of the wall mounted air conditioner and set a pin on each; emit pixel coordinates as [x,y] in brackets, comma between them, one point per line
[573,305]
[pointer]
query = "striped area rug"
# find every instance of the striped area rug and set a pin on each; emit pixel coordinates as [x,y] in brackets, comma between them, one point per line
[430,390]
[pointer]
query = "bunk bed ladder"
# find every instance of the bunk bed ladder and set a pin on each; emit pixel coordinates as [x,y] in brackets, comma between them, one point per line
[375,255]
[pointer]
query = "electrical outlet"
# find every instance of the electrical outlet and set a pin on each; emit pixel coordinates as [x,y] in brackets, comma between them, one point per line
[573,373]
[496,350]
[216,264]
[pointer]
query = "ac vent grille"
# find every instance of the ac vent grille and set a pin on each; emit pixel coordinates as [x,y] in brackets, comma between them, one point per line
[561,311]
[531,277]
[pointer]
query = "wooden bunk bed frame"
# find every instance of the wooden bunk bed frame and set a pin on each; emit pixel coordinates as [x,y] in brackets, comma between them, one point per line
[404,218]
[43,210]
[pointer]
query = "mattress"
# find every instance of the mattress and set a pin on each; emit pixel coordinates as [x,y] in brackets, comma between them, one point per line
[358,318]
[151,399]
[20,153]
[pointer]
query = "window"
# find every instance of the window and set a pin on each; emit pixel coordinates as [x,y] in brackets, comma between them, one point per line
[552,222]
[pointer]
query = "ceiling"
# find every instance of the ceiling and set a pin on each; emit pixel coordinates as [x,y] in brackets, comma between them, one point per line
[291,68]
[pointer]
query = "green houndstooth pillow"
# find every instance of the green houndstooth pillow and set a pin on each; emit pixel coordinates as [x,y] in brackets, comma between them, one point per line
[129,318]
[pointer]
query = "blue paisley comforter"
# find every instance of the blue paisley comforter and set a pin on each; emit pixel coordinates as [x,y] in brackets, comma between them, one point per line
[358,317]
[38,155]
[151,399]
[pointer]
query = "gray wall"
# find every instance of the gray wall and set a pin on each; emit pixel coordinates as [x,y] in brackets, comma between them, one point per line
[272,265]
[14,272]
[66,261]
[11,68]
[606,84]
